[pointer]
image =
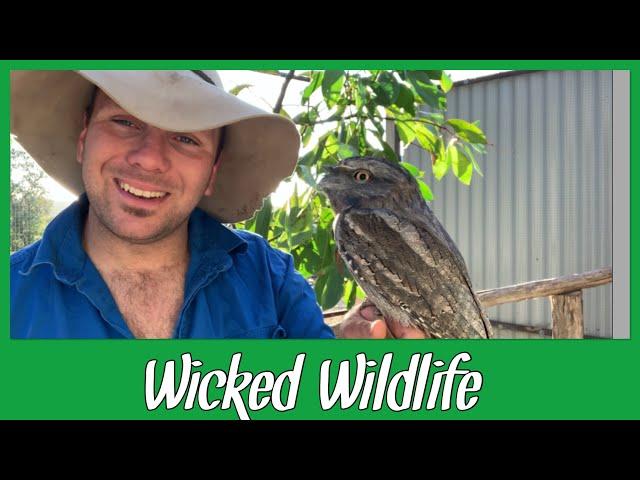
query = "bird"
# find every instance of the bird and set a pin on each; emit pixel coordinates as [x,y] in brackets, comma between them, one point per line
[399,252]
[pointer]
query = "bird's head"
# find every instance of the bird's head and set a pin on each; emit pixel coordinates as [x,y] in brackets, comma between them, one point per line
[368,182]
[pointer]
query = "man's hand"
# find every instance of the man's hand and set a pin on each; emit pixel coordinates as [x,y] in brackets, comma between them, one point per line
[366,321]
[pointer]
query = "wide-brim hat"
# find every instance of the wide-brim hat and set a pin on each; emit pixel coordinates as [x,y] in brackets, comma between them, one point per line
[260,148]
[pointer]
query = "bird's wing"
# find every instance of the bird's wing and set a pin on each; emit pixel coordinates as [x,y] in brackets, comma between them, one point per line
[431,223]
[410,266]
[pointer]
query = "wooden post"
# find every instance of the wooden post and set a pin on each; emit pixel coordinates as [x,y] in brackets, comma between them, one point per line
[566,315]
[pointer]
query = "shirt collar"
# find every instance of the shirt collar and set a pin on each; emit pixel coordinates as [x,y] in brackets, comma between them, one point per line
[207,234]
[61,244]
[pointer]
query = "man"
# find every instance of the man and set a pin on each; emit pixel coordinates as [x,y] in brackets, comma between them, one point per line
[164,158]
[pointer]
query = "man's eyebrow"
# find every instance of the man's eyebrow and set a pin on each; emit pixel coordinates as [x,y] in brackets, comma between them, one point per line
[104,102]
[111,105]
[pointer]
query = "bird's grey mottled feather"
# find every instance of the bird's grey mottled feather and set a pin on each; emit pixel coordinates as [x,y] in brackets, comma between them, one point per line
[434,225]
[380,248]
[398,251]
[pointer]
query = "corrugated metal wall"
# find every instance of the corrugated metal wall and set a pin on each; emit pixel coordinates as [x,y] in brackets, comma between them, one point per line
[543,208]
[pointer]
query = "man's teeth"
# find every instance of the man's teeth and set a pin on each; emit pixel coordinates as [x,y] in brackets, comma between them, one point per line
[141,193]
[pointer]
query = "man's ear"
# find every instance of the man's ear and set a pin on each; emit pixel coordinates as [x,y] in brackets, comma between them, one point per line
[81,139]
[216,163]
[212,179]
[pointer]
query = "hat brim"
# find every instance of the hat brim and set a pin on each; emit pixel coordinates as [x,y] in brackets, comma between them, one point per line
[260,148]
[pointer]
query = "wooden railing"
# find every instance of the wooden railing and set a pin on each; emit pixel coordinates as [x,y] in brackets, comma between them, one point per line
[565,297]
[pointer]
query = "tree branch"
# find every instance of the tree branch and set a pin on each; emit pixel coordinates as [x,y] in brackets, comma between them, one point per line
[393,119]
[287,79]
[302,78]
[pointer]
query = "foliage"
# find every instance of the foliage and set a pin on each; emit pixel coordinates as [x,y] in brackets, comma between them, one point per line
[30,209]
[354,108]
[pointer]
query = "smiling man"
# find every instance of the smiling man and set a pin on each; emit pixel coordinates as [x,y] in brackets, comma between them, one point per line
[142,183]
[161,160]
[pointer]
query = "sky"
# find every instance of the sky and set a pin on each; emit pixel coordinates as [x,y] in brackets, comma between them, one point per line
[263,93]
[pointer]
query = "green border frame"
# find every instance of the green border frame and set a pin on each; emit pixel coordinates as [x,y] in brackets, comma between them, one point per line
[522,379]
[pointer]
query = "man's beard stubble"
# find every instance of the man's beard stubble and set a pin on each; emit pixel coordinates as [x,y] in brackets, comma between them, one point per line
[103,211]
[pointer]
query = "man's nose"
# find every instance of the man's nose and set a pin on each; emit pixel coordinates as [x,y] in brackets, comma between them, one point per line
[151,152]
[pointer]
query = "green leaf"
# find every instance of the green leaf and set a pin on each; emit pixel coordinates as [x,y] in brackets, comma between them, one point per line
[425,190]
[309,261]
[413,170]
[305,134]
[323,245]
[440,167]
[446,83]
[308,158]
[284,113]
[316,81]
[427,91]
[307,117]
[332,86]
[329,288]
[307,120]
[426,138]
[386,89]
[432,74]
[439,147]
[263,218]
[300,219]
[478,147]
[319,285]
[406,100]
[346,151]
[460,164]
[436,117]
[469,154]
[389,153]
[305,173]
[300,238]
[467,131]
[424,76]
[379,129]
[350,291]
[407,131]
[337,115]
[336,150]
[419,175]
[238,88]
[361,94]
[248,224]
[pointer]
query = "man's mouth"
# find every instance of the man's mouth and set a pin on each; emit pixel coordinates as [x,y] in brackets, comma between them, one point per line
[137,192]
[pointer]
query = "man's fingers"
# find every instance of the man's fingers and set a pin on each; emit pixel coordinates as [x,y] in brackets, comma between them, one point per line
[400,331]
[366,321]
[359,327]
[370,312]
[378,329]
[377,326]
[363,322]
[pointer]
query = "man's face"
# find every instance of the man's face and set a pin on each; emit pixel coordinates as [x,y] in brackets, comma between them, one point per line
[142,182]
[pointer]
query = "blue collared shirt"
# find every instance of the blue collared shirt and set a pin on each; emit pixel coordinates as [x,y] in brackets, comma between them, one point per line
[236,286]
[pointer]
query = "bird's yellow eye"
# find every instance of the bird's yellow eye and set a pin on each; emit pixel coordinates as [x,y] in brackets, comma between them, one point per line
[362,176]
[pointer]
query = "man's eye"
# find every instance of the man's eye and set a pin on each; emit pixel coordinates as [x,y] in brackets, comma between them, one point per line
[187,140]
[124,122]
